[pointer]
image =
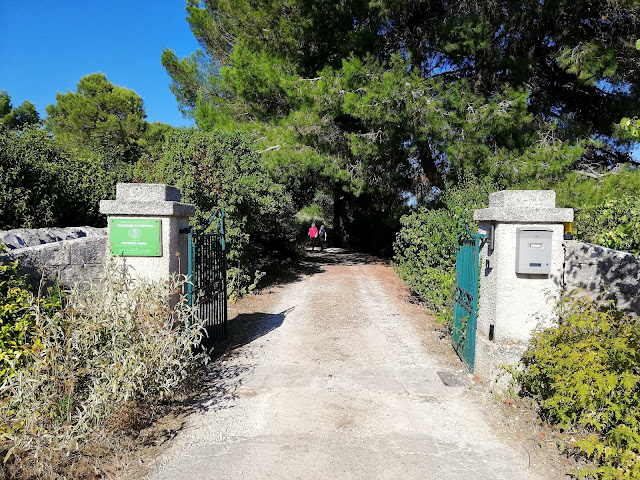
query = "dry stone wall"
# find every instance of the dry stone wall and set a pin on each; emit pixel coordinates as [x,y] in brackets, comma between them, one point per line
[602,274]
[31,237]
[65,255]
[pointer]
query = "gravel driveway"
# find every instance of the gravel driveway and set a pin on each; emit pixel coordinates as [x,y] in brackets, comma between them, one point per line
[337,380]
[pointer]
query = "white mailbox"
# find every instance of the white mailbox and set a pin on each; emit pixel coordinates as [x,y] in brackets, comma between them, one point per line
[533,251]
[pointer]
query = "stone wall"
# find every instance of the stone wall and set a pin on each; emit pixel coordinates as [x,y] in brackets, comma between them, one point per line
[602,274]
[31,237]
[77,260]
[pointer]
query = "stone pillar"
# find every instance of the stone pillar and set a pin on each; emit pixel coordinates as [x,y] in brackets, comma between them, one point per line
[152,202]
[512,305]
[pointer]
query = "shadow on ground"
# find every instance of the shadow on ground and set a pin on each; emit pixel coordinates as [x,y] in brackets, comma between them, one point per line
[339,256]
[216,386]
[218,382]
[223,379]
[247,327]
[312,262]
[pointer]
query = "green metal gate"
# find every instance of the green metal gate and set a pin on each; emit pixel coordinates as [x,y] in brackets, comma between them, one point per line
[465,302]
[207,271]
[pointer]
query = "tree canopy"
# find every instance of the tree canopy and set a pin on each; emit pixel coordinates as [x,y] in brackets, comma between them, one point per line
[98,114]
[390,98]
[19,117]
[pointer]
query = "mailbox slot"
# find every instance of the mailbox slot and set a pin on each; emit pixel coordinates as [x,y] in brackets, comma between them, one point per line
[533,251]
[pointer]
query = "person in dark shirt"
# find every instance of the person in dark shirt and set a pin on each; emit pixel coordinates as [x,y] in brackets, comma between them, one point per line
[322,235]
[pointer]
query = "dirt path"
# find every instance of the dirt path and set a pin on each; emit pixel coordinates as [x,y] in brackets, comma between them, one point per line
[335,376]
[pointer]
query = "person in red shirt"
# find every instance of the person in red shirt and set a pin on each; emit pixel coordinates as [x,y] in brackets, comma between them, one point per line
[313,235]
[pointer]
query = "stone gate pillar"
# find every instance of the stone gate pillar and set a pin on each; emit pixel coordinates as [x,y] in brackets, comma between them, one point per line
[521,268]
[144,225]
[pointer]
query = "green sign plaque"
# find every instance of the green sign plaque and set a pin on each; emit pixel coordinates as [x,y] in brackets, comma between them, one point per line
[135,237]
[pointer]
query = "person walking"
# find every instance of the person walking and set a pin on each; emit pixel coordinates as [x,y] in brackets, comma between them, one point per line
[322,235]
[313,235]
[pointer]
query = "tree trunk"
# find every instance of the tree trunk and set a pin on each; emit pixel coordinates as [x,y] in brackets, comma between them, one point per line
[338,215]
[428,164]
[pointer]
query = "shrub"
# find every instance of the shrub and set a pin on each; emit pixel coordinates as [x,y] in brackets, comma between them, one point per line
[584,376]
[17,318]
[30,178]
[219,170]
[114,344]
[41,185]
[426,245]
[614,224]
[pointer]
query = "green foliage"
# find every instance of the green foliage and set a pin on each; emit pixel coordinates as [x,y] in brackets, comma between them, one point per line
[5,103]
[31,179]
[17,318]
[389,76]
[588,189]
[17,118]
[583,375]
[425,248]
[98,114]
[43,185]
[98,134]
[218,170]
[606,207]
[631,126]
[380,99]
[114,344]
[614,224]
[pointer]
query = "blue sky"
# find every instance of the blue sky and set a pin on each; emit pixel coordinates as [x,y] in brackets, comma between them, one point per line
[46,46]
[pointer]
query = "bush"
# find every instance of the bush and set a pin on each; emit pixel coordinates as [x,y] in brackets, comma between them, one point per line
[584,376]
[17,319]
[426,245]
[110,346]
[30,179]
[217,170]
[614,224]
[41,185]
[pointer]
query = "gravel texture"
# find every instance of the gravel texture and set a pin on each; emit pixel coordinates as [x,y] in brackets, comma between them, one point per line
[336,375]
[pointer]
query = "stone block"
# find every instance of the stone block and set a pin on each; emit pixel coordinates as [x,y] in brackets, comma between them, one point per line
[36,257]
[13,241]
[582,274]
[524,215]
[146,209]
[523,199]
[491,360]
[52,262]
[524,206]
[87,251]
[147,192]
[82,275]
[71,274]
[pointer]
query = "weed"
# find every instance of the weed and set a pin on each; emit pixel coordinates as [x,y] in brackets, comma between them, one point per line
[114,344]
